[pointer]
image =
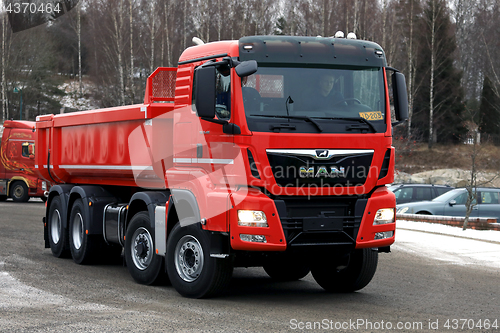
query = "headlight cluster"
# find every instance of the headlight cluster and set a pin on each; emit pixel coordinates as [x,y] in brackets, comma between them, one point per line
[252,218]
[383,216]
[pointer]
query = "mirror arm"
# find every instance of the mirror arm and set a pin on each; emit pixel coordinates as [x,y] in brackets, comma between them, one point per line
[213,120]
[227,127]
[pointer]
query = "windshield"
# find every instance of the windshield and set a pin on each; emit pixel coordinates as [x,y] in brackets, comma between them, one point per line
[341,100]
[448,195]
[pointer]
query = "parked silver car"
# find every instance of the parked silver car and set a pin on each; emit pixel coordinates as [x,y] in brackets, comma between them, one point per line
[452,203]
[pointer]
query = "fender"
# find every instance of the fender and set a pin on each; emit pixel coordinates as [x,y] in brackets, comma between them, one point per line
[186,207]
[63,192]
[95,198]
[13,179]
[148,200]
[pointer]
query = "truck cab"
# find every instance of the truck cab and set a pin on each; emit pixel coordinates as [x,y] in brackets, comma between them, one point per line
[17,162]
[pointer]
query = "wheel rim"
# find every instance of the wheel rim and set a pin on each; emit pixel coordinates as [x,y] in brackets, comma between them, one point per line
[77,231]
[189,258]
[142,248]
[18,192]
[55,226]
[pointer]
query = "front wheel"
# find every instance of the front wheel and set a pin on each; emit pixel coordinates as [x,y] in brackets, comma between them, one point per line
[192,271]
[19,192]
[145,266]
[355,275]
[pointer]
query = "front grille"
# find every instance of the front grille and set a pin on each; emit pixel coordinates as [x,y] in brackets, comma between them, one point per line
[297,170]
[320,220]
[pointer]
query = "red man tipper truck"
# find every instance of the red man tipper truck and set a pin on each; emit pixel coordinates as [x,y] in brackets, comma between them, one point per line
[267,151]
[18,179]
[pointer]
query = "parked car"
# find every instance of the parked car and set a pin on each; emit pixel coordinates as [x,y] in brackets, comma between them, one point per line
[452,203]
[418,192]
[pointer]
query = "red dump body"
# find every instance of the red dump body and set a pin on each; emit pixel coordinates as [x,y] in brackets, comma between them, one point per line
[92,147]
[18,178]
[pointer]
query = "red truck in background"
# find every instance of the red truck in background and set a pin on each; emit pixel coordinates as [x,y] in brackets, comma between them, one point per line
[236,158]
[18,179]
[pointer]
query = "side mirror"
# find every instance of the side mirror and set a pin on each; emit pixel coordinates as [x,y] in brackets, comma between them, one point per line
[400,96]
[246,68]
[204,92]
[453,203]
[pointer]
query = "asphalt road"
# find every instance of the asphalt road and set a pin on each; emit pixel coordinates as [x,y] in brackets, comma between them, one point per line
[409,293]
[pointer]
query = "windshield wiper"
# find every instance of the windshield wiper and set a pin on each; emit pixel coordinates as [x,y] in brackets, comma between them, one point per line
[306,118]
[360,119]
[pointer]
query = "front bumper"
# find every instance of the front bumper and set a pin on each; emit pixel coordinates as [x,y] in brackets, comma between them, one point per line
[306,222]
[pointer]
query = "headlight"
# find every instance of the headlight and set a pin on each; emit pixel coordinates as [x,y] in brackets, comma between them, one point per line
[384,215]
[252,218]
[403,210]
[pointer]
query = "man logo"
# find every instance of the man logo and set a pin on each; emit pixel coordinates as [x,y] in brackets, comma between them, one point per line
[323,153]
[311,172]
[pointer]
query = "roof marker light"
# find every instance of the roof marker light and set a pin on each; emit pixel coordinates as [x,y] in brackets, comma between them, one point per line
[351,35]
[339,34]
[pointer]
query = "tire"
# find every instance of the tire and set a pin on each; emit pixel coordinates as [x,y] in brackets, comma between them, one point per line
[58,236]
[19,192]
[3,198]
[192,271]
[84,247]
[344,279]
[145,266]
[286,270]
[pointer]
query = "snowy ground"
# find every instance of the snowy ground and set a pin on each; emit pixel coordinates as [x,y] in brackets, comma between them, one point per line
[449,244]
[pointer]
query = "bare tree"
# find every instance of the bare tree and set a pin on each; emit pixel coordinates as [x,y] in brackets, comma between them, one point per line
[472,182]
[132,68]
[5,112]
[118,25]
[432,22]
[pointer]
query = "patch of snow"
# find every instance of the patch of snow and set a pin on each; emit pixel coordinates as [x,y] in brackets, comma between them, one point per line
[449,244]
[483,235]
[73,100]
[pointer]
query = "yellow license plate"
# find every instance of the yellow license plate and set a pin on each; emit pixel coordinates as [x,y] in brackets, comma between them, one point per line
[373,115]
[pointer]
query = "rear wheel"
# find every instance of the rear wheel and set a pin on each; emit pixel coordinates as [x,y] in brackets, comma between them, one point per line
[145,266]
[19,192]
[348,277]
[58,237]
[83,246]
[192,271]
